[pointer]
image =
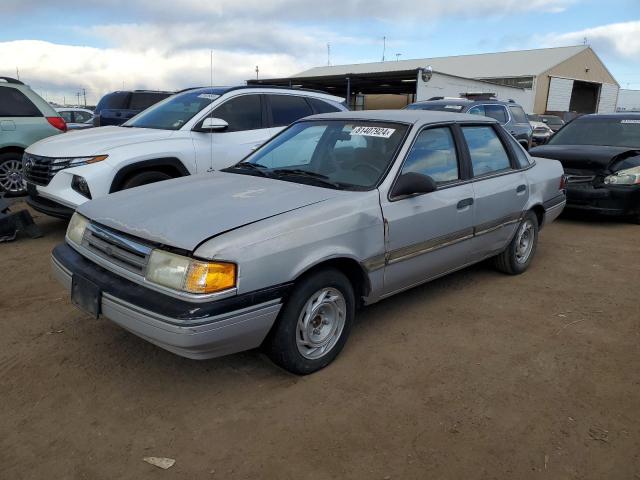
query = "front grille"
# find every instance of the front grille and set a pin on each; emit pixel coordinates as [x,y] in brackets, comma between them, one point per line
[40,170]
[117,248]
[540,130]
[580,178]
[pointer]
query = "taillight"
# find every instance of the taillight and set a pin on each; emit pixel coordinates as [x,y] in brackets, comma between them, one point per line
[57,122]
[563,182]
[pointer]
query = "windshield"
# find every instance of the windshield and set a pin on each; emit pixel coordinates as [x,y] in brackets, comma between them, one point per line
[614,132]
[173,112]
[440,107]
[346,155]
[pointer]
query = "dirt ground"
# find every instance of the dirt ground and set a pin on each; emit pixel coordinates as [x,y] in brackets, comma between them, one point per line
[477,375]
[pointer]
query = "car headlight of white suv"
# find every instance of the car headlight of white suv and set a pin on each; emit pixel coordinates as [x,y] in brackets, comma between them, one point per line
[68,162]
[629,176]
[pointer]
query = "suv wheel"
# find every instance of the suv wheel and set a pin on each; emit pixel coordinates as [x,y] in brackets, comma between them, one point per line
[144,178]
[314,323]
[518,255]
[11,178]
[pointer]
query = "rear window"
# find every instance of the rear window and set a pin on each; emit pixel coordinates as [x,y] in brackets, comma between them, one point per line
[320,106]
[14,103]
[114,101]
[286,109]
[518,114]
[613,132]
[142,101]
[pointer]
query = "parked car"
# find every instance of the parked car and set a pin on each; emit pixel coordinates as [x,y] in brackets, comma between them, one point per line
[195,131]
[339,210]
[601,157]
[541,131]
[115,108]
[76,118]
[509,114]
[25,118]
[554,122]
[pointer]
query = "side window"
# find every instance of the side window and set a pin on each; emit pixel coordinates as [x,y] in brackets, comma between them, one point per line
[521,156]
[14,103]
[286,109]
[518,114]
[498,112]
[142,101]
[477,110]
[487,152]
[82,117]
[67,115]
[433,154]
[241,113]
[320,106]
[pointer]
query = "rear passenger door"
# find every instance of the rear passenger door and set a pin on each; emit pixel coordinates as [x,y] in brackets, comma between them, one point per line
[500,187]
[430,234]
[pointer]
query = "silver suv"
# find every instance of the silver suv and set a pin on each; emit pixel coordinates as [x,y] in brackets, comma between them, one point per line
[25,118]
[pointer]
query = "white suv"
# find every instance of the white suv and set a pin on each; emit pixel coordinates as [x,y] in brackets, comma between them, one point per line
[194,131]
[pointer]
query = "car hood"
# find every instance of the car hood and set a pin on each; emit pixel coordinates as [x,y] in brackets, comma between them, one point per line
[184,212]
[584,157]
[95,141]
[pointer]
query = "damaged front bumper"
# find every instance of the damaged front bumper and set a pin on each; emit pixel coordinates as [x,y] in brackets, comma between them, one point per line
[618,200]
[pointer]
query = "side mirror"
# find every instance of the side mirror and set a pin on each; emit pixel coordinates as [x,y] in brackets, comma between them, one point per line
[210,124]
[413,183]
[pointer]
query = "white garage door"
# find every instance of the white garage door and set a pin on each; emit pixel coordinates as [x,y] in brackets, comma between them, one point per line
[559,94]
[608,98]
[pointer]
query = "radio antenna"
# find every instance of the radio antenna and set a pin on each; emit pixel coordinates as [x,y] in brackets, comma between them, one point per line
[211,168]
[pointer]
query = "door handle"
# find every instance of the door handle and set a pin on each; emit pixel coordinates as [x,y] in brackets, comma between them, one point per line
[467,202]
[521,188]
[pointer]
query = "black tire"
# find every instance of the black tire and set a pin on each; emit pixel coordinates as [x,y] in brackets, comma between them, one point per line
[9,162]
[145,178]
[511,261]
[281,345]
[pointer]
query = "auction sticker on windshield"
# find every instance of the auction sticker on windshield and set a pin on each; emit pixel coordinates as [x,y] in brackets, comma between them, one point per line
[373,131]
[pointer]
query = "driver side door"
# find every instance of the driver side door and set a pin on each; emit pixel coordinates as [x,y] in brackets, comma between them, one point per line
[430,234]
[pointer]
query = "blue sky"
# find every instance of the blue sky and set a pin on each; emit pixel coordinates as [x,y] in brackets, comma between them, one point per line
[100,45]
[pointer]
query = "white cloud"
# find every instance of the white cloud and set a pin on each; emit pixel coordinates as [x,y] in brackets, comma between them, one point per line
[618,39]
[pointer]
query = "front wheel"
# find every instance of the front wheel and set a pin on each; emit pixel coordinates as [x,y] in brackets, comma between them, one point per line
[11,176]
[518,255]
[314,324]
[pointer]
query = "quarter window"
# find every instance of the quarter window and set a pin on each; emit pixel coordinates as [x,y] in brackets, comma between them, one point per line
[320,106]
[433,154]
[498,112]
[286,109]
[81,117]
[518,114]
[241,113]
[521,156]
[486,150]
[14,103]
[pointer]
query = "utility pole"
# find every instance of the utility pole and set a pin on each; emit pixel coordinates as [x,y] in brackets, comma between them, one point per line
[328,54]
[78,96]
[257,73]
[384,46]
[17,74]
[398,56]
[84,93]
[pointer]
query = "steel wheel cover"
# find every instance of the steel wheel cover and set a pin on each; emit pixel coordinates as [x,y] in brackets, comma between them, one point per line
[525,239]
[321,323]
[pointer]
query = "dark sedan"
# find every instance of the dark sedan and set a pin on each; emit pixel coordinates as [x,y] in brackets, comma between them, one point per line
[601,159]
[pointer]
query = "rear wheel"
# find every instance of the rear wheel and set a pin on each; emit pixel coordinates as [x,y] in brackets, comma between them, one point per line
[11,176]
[314,324]
[145,178]
[518,255]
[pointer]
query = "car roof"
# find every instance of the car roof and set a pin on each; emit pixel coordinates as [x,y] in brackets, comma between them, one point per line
[404,116]
[464,102]
[223,90]
[612,116]
[74,109]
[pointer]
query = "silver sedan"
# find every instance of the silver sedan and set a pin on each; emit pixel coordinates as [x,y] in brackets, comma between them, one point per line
[336,212]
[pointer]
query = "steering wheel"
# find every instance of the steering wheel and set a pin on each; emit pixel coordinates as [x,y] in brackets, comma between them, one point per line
[367,166]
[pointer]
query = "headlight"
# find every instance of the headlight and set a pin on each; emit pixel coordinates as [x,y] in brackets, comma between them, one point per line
[189,275]
[76,228]
[630,176]
[68,162]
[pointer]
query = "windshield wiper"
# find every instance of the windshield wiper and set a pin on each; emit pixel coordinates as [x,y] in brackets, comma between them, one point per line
[317,177]
[253,167]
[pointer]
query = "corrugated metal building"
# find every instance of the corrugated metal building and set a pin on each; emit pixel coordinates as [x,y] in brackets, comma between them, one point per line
[558,80]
